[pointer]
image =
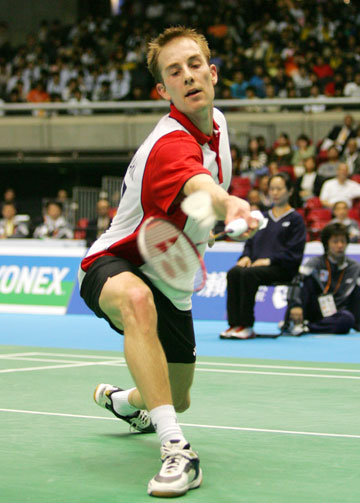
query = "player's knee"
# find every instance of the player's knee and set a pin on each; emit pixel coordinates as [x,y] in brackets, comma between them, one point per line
[138,301]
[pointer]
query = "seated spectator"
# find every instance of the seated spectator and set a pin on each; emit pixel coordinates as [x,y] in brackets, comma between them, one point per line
[274,253]
[254,160]
[238,85]
[78,98]
[251,95]
[253,198]
[282,151]
[102,92]
[263,186]
[339,135]
[315,108]
[309,184]
[11,224]
[257,81]
[304,149]
[326,297]
[120,86]
[329,168]
[54,85]
[341,216]
[302,81]
[352,89]
[269,95]
[351,156]
[9,196]
[323,71]
[100,224]
[273,168]
[236,160]
[54,225]
[37,93]
[339,188]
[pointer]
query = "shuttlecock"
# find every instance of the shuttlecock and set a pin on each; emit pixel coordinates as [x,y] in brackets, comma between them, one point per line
[198,206]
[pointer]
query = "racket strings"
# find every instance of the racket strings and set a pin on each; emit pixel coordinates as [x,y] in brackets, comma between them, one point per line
[172,256]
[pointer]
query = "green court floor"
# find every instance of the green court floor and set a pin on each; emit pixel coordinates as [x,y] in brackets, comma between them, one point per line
[266,431]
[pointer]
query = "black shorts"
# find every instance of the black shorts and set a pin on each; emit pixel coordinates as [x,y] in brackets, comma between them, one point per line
[175,327]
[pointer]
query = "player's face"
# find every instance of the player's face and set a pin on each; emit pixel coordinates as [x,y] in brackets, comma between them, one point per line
[188,80]
[336,247]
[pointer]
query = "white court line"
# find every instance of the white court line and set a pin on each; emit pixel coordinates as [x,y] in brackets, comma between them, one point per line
[11,355]
[285,367]
[31,359]
[118,361]
[71,364]
[282,374]
[90,357]
[51,367]
[191,425]
[218,364]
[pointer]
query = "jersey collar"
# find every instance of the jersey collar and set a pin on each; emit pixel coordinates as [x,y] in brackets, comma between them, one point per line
[199,136]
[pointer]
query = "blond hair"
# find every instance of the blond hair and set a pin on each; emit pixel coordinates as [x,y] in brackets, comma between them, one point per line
[155,46]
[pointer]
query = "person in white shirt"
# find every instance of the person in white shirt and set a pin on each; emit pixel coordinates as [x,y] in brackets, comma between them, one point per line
[352,89]
[341,216]
[339,188]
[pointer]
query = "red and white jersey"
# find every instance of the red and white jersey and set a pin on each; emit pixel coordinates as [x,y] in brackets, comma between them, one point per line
[174,152]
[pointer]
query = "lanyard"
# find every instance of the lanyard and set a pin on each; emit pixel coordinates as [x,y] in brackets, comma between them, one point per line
[326,289]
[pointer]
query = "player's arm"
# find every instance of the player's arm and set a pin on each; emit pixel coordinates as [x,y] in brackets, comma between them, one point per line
[226,207]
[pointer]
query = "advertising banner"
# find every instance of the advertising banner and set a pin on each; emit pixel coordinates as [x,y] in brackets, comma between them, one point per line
[41,277]
[37,279]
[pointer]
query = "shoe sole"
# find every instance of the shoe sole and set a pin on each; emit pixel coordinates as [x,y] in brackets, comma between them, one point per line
[174,493]
[253,336]
[98,392]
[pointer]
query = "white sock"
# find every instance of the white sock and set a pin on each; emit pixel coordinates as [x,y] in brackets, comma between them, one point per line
[165,423]
[120,400]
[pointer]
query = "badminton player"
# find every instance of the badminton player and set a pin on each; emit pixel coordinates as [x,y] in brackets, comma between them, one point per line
[187,151]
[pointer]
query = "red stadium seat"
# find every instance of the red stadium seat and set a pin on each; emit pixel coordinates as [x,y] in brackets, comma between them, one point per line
[301,211]
[315,228]
[289,170]
[356,178]
[313,202]
[354,213]
[316,214]
[80,229]
[240,186]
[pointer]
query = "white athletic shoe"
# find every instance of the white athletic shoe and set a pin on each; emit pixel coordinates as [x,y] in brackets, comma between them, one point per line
[180,471]
[298,329]
[238,333]
[139,421]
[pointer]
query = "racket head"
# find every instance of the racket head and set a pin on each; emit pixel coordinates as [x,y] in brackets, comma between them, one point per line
[172,255]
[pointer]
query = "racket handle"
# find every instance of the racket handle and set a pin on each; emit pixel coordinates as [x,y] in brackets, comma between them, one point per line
[237,227]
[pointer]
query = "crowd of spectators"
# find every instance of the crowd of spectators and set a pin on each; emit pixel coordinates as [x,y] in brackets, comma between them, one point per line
[284,48]
[326,186]
[326,175]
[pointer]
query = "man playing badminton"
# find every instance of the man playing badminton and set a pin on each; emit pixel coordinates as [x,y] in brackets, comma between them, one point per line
[188,151]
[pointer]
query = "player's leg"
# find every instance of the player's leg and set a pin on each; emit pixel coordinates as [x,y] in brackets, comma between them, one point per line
[181,378]
[128,302]
[180,469]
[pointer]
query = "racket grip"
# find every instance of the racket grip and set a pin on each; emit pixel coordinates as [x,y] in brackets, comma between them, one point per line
[236,227]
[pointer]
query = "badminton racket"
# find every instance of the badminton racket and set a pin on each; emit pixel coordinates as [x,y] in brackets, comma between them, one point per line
[172,254]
